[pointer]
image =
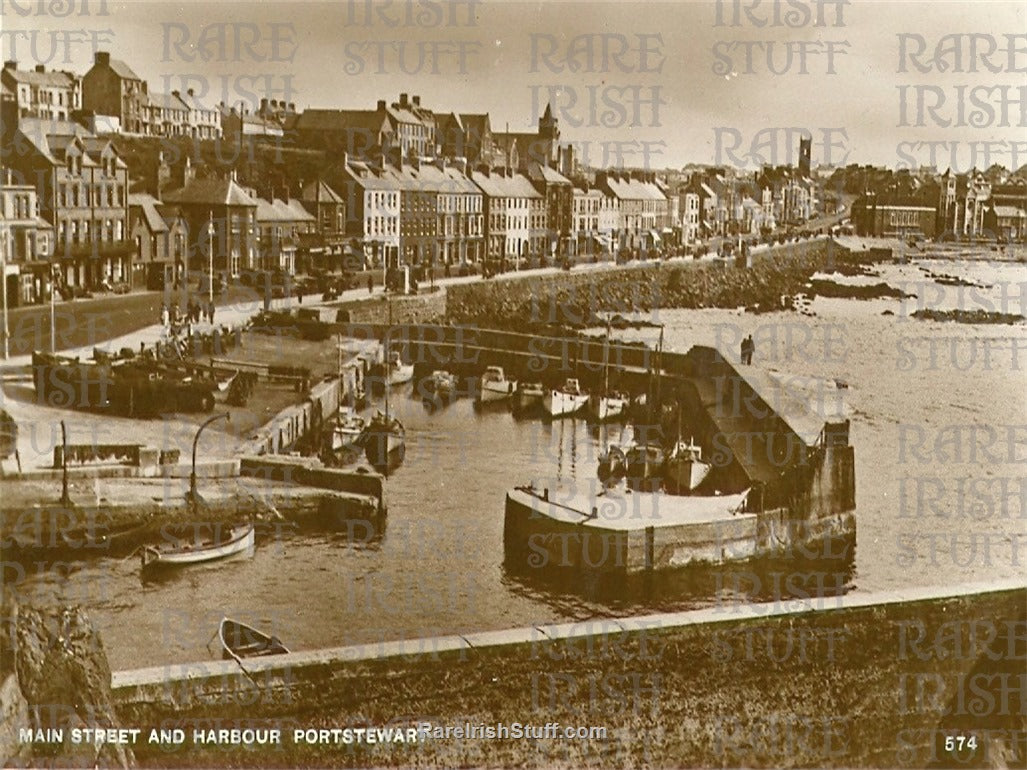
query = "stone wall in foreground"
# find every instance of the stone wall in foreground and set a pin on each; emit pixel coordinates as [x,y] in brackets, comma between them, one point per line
[864,680]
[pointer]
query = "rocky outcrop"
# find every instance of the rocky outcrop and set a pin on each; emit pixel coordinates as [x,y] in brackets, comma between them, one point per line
[64,676]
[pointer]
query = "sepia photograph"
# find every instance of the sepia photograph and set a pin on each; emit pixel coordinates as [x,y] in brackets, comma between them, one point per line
[513,384]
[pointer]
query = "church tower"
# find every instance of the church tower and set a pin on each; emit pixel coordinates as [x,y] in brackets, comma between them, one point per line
[549,134]
[805,153]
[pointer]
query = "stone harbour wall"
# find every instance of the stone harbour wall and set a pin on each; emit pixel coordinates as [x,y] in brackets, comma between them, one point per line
[573,298]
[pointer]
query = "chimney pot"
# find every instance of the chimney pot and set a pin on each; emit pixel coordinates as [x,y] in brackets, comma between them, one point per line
[381,105]
[40,68]
[403,100]
[416,100]
[190,92]
[10,64]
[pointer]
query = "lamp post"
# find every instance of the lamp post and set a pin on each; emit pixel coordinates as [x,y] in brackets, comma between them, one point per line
[53,312]
[210,257]
[196,440]
[3,274]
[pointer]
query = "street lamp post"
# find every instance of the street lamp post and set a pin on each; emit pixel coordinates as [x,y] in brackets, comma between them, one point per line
[196,440]
[3,271]
[210,258]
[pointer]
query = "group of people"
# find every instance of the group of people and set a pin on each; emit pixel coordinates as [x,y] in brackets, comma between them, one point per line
[195,312]
[748,348]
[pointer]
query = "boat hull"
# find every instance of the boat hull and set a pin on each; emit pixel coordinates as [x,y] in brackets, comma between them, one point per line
[239,640]
[557,403]
[489,392]
[682,476]
[607,408]
[179,556]
[384,449]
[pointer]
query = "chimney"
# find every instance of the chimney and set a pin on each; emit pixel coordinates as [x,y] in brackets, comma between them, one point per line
[440,163]
[11,64]
[190,92]
[40,68]
[417,101]
[103,58]
[263,105]
[403,102]
[381,105]
[292,106]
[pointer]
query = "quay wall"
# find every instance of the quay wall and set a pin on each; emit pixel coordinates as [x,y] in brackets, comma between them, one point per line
[709,687]
[297,471]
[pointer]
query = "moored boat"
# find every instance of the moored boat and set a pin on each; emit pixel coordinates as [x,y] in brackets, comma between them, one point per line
[566,400]
[384,441]
[441,383]
[179,553]
[611,406]
[396,372]
[645,465]
[494,386]
[349,429]
[239,640]
[685,469]
[612,464]
[528,396]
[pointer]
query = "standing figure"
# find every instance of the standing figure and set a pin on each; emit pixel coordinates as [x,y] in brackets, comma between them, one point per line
[748,348]
[370,285]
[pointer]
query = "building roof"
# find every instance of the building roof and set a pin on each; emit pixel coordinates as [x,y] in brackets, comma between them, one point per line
[626,188]
[211,192]
[49,79]
[546,174]
[166,101]
[122,70]
[319,192]
[500,186]
[342,120]
[193,103]
[147,205]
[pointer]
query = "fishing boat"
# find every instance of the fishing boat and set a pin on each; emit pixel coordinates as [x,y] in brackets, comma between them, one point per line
[528,396]
[645,464]
[494,386]
[384,441]
[613,464]
[685,469]
[441,383]
[396,372]
[239,640]
[349,429]
[566,400]
[234,540]
[607,405]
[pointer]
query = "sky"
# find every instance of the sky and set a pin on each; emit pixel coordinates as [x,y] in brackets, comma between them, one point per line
[658,84]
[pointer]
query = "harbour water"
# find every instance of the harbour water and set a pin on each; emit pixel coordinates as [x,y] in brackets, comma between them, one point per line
[937,503]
